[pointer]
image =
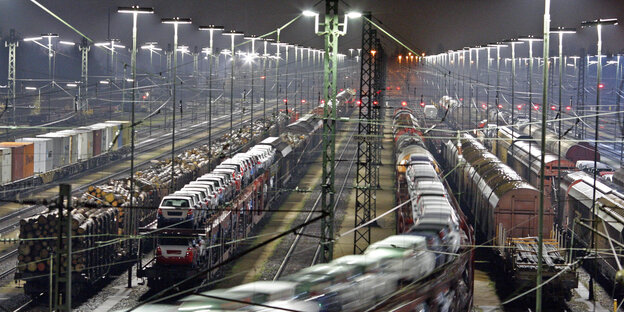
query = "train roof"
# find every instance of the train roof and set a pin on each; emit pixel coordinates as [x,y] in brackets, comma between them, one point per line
[522,149]
[571,148]
[278,144]
[495,178]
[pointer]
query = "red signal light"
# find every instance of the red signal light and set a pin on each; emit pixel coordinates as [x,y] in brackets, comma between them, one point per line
[285,101]
[322,101]
[375,102]
[303,101]
[359,102]
[568,107]
[553,107]
[500,106]
[483,106]
[403,103]
[341,90]
[144,97]
[422,104]
[601,85]
[519,107]
[398,88]
[536,107]
[461,99]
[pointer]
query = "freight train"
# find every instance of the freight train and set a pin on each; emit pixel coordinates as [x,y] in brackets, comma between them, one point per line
[184,250]
[427,267]
[505,209]
[100,243]
[48,157]
[569,191]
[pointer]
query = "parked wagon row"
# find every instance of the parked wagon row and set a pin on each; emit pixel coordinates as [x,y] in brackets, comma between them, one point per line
[51,151]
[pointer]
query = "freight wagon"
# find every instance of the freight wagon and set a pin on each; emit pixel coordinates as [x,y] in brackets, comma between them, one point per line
[577,193]
[505,208]
[59,154]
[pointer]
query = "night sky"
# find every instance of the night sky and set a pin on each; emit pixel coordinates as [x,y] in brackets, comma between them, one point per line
[430,26]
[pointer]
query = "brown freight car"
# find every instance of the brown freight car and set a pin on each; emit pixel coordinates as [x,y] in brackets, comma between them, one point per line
[505,208]
[504,204]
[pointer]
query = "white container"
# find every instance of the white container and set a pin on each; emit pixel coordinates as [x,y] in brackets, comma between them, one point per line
[85,144]
[90,139]
[73,145]
[60,148]
[5,165]
[43,151]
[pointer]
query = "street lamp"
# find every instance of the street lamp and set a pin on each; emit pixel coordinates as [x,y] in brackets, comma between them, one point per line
[477,49]
[598,24]
[131,228]
[210,53]
[530,39]
[233,34]
[497,45]
[513,43]
[110,45]
[175,21]
[265,56]
[250,58]
[561,31]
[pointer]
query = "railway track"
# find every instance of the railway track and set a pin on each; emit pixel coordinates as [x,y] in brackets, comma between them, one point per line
[6,256]
[299,236]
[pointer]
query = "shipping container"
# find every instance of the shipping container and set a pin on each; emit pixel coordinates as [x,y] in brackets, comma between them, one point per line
[5,165]
[100,130]
[123,127]
[42,153]
[60,148]
[85,144]
[90,141]
[73,144]
[97,142]
[22,162]
[107,136]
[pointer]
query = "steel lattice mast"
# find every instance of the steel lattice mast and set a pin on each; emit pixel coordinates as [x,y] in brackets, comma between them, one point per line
[363,178]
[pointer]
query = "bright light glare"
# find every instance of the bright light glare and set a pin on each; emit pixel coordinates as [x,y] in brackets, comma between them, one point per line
[354,14]
[31,88]
[104,81]
[72,85]
[249,57]
[67,43]
[309,13]
[33,38]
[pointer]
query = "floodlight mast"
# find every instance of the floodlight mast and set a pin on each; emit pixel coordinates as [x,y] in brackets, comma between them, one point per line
[211,29]
[232,34]
[175,21]
[331,33]
[131,228]
[598,24]
[253,39]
